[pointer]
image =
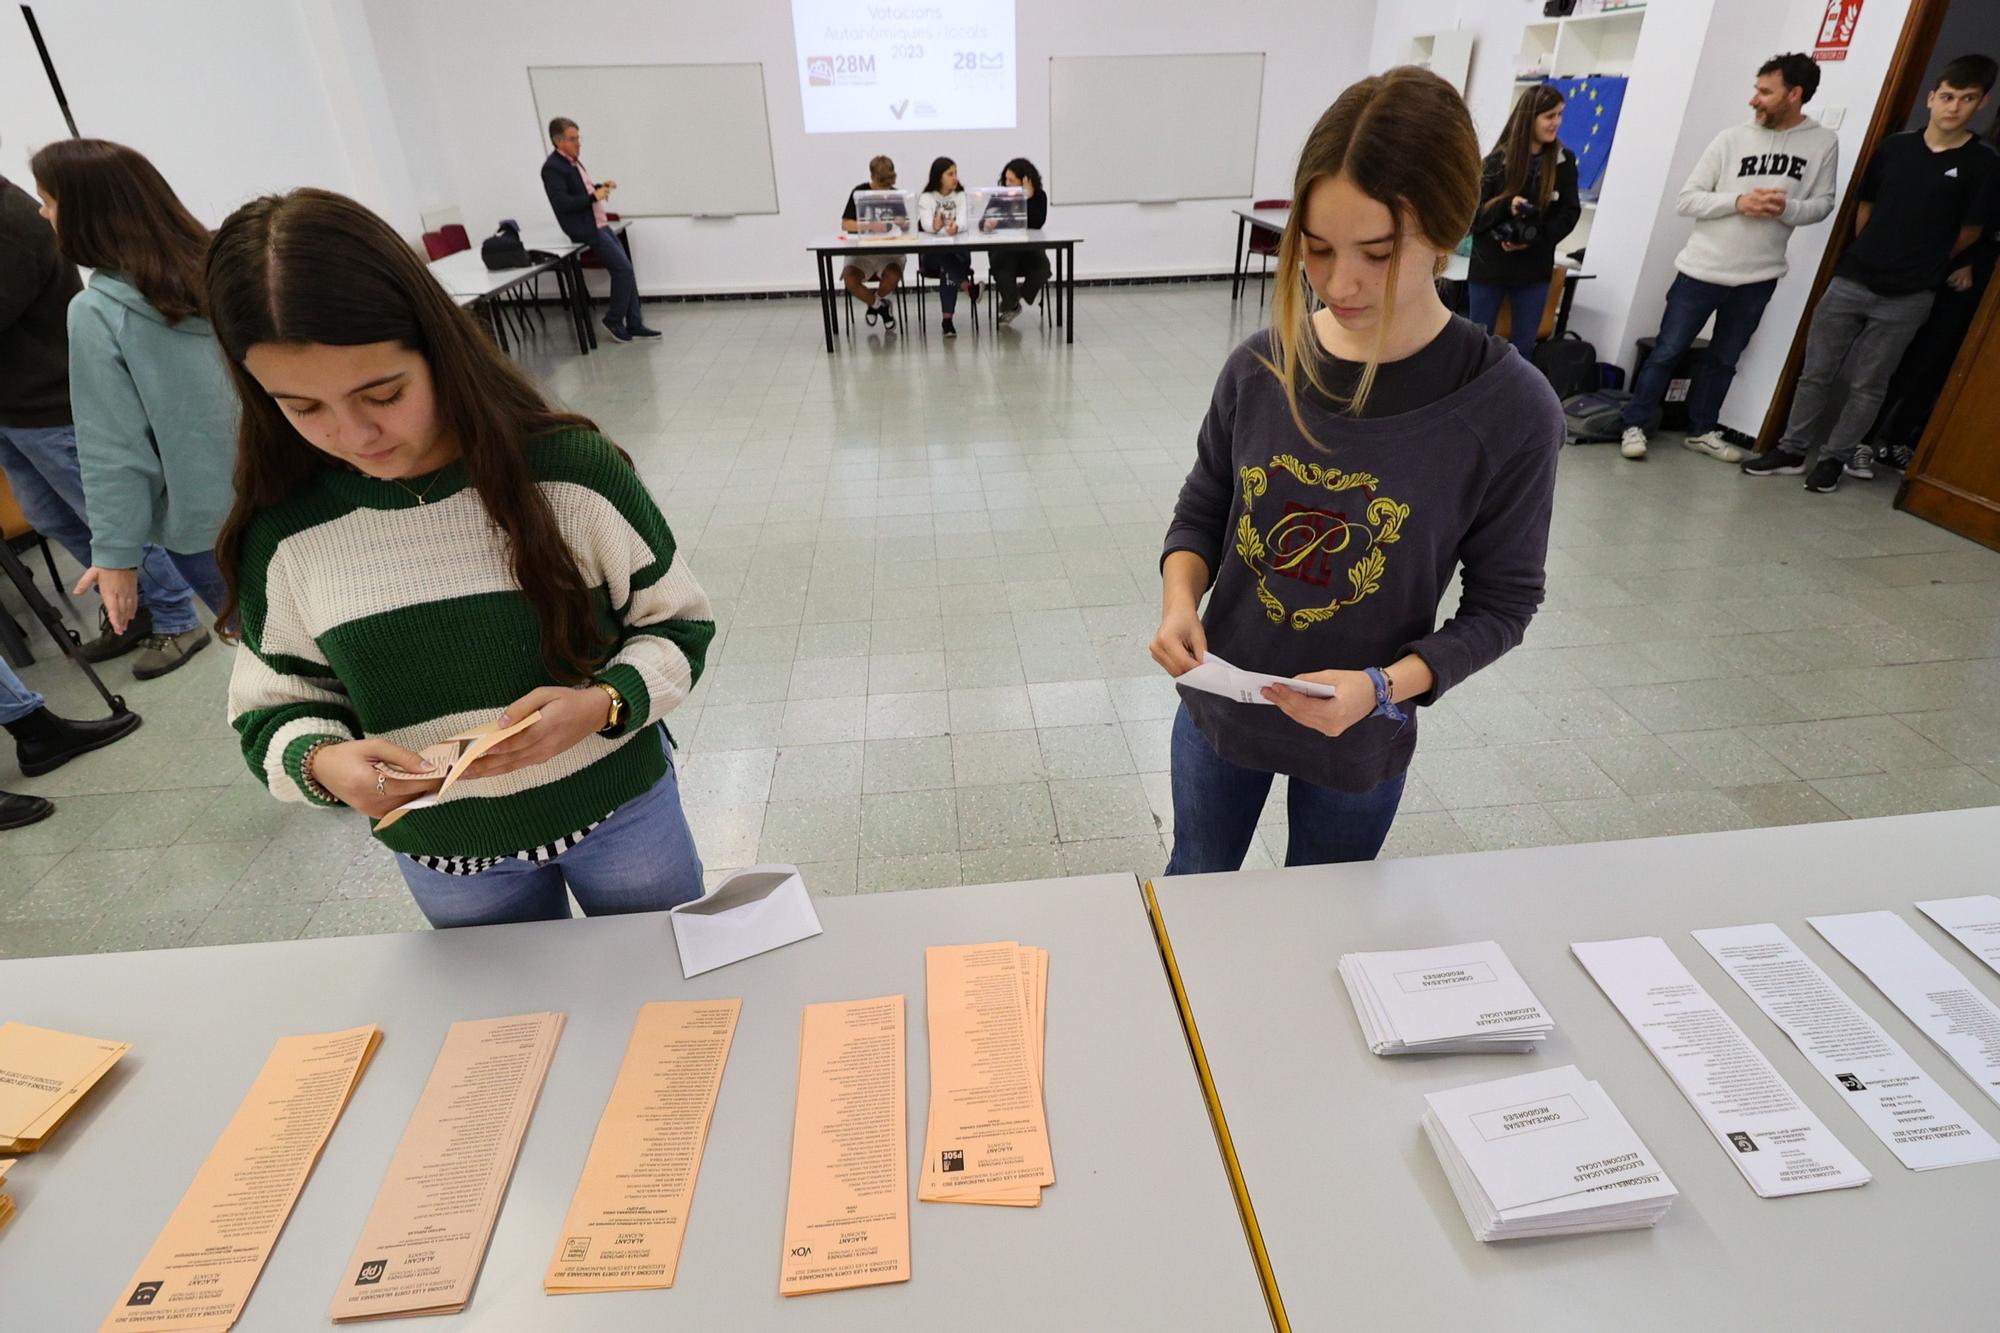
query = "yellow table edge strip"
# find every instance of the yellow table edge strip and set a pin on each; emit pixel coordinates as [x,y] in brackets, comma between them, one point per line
[1244,1208]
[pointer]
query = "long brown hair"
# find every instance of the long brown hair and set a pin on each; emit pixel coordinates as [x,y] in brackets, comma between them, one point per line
[1517,147]
[1404,139]
[115,211]
[316,267]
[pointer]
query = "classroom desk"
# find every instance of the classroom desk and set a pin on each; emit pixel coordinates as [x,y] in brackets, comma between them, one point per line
[827,254]
[1140,1232]
[469,282]
[1268,219]
[1361,1229]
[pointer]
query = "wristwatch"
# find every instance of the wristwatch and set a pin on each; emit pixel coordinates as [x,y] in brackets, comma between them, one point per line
[618,708]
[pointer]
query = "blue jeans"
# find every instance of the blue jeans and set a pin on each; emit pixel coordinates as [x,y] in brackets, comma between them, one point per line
[40,463]
[1482,300]
[1690,302]
[641,859]
[952,268]
[623,313]
[1216,805]
[202,572]
[16,699]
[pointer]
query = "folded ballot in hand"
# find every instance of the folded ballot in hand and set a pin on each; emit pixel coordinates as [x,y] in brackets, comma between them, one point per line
[1544,1154]
[1463,997]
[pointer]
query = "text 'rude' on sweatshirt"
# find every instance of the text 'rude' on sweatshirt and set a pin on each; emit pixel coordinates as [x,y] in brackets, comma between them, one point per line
[1731,249]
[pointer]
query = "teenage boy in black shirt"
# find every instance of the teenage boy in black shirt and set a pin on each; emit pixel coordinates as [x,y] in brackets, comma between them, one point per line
[1925,196]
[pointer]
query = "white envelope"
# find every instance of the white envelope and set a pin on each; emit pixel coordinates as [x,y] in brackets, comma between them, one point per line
[1215,676]
[753,911]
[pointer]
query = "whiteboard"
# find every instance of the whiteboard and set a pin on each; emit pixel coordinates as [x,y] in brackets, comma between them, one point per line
[1148,129]
[678,139]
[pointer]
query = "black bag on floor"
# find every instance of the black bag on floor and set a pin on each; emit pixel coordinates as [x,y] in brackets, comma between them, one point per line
[1596,417]
[1569,363]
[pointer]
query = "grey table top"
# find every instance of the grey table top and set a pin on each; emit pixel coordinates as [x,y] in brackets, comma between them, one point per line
[971,240]
[1140,1231]
[1359,1223]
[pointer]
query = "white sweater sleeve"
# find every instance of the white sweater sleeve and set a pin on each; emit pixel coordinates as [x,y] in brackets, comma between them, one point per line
[1699,198]
[1817,202]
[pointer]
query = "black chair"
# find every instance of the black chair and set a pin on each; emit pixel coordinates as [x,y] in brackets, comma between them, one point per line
[901,295]
[927,269]
[1041,302]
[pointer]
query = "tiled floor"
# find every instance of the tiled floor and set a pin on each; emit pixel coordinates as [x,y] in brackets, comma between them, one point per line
[934,565]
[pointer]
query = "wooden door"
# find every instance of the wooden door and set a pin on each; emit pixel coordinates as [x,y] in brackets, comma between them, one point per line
[1954,480]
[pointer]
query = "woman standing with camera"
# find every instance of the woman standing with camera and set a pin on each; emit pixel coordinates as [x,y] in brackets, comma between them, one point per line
[1525,209]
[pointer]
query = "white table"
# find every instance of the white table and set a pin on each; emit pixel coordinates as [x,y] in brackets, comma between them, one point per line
[1247,219]
[1361,1228]
[828,253]
[1140,1231]
[469,282]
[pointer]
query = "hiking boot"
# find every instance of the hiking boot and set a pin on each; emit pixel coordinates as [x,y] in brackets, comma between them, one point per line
[109,643]
[1716,445]
[1633,443]
[44,742]
[1775,463]
[1825,478]
[169,652]
[19,811]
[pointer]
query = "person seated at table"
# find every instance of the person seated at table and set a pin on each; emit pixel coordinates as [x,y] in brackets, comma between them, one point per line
[421,545]
[1020,274]
[943,210]
[578,202]
[883,269]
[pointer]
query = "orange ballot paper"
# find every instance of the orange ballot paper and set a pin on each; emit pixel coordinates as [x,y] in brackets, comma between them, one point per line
[426,1236]
[6,1204]
[42,1075]
[201,1269]
[847,1221]
[987,1138]
[630,1210]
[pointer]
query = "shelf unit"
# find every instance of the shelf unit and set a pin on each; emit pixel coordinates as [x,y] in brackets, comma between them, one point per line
[1604,41]
[1445,54]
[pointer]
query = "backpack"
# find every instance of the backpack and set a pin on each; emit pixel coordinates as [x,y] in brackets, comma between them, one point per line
[1569,363]
[503,249]
[1596,417]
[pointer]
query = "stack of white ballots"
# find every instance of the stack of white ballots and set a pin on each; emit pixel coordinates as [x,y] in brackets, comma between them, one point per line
[1544,1154]
[1463,997]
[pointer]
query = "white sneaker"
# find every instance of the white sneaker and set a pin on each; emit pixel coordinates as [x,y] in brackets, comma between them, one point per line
[1715,445]
[1633,444]
[1862,465]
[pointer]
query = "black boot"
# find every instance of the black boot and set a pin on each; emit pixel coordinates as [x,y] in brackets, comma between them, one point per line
[21,811]
[109,643]
[44,742]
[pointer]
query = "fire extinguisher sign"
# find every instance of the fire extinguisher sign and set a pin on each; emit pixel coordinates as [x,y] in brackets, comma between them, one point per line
[1836,29]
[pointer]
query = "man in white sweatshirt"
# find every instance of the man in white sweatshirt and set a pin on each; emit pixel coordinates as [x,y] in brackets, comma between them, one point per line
[1754,183]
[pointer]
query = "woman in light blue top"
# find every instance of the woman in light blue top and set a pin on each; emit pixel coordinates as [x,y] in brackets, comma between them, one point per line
[155,413]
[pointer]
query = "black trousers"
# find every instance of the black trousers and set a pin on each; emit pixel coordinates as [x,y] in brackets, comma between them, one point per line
[1919,380]
[1018,274]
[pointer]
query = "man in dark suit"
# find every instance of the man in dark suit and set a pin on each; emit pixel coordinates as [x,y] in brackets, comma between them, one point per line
[578,202]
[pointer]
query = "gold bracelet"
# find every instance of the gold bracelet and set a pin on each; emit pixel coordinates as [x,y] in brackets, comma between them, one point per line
[310,783]
[615,717]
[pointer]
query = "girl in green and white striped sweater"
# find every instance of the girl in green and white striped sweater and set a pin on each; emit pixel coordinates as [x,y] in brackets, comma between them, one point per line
[421,545]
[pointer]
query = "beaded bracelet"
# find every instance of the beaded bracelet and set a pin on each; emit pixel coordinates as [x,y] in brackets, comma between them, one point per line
[313,789]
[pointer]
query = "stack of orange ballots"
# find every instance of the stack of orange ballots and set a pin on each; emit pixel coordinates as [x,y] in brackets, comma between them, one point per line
[987,1140]
[43,1075]
[6,1204]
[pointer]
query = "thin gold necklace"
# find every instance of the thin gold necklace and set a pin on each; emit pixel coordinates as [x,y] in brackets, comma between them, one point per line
[426,490]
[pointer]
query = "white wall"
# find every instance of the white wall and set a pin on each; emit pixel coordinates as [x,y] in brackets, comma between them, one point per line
[29,114]
[456,72]
[234,98]
[1495,26]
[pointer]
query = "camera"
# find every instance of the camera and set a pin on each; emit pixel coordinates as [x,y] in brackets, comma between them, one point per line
[1522,228]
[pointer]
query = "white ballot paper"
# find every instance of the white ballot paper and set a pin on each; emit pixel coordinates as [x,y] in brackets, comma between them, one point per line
[1930,992]
[753,911]
[1215,676]
[1909,1112]
[1774,1139]
[1544,1154]
[1462,997]
[1973,922]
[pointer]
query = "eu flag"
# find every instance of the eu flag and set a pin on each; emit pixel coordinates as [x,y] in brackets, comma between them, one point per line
[1589,121]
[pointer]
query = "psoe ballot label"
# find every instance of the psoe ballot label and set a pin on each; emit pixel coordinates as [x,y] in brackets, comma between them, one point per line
[1510,1122]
